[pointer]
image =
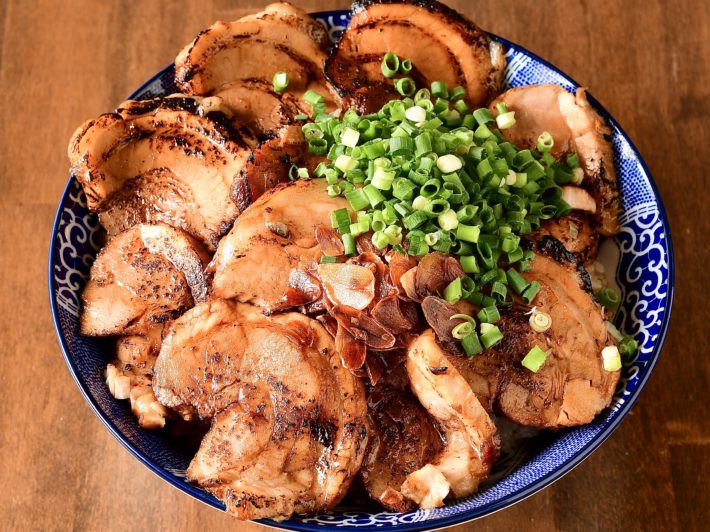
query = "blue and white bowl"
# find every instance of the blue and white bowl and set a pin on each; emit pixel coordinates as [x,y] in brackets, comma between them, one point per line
[639,260]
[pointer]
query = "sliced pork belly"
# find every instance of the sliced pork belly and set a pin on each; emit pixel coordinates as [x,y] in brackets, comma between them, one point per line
[270,164]
[289,422]
[282,38]
[254,104]
[273,236]
[470,445]
[572,386]
[145,276]
[577,232]
[443,46]
[576,128]
[160,160]
[403,439]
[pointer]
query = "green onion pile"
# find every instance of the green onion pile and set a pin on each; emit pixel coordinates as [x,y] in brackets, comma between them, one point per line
[426,173]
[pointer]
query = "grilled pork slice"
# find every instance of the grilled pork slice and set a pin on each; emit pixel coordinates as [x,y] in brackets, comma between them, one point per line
[289,424]
[160,160]
[576,128]
[442,45]
[130,376]
[577,232]
[270,164]
[282,38]
[273,236]
[254,104]
[572,386]
[145,276]
[403,439]
[471,444]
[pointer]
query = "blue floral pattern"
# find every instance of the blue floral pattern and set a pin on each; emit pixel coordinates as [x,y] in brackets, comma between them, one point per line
[644,272]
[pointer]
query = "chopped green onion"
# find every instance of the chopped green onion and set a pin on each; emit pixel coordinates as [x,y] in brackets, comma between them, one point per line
[312,98]
[516,281]
[318,146]
[471,344]
[280,81]
[609,298]
[405,66]
[545,142]
[465,317]
[490,335]
[358,228]
[357,198]
[380,240]
[462,330]
[340,220]
[394,234]
[469,264]
[540,321]
[506,120]
[415,219]
[439,89]
[611,358]
[415,114]
[448,220]
[382,179]
[349,244]
[468,233]
[417,247]
[345,163]
[350,137]
[458,93]
[378,223]
[448,164]
[405,86]
[535,359]
[373,195]
[453,292]
[390,65]
[613,331]
[628,347]
[530,292]
[488,314]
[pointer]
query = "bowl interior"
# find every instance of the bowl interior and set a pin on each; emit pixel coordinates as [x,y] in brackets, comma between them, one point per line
[639,261]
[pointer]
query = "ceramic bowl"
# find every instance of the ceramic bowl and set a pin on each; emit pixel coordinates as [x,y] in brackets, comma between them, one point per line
[639,260]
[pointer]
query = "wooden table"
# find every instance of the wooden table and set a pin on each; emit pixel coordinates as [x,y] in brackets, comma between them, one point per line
[62,62]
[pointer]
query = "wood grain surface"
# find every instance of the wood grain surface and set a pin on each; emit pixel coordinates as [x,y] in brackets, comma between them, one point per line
[63,62]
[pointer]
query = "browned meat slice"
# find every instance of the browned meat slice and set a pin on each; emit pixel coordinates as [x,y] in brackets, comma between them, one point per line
[254,104]
[282,38]
[576,128]
[144,276]
[577,232]
[270,164]
[470,445]
[130,376]
[402,440]
[289,427]
[273,236]
[160,160]
[572,386]
[442,45]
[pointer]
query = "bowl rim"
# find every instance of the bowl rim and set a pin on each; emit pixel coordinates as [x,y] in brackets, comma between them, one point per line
[464,516]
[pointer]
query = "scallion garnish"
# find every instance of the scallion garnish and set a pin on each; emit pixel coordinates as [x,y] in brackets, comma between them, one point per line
[390,65]
[280,81]
[609,298]
[535,359]
[431,174]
